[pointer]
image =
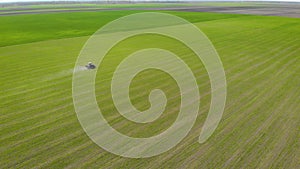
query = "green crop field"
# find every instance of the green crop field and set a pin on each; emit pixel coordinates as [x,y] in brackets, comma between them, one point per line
[259,127]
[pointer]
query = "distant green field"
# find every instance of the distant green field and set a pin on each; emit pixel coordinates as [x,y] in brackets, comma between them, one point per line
[259,128]
[133,5]
[32,28]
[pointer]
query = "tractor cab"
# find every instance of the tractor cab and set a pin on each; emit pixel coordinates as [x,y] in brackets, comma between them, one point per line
[90,65]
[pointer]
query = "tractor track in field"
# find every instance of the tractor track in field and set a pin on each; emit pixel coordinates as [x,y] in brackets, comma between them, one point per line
[287,10]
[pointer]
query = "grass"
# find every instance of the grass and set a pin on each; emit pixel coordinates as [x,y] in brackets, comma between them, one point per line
[259,128]
[32,28]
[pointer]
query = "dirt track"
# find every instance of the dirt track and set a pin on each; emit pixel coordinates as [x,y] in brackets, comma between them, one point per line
[287,10]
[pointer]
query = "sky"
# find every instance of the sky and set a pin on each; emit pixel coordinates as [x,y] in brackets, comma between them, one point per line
[142,0]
